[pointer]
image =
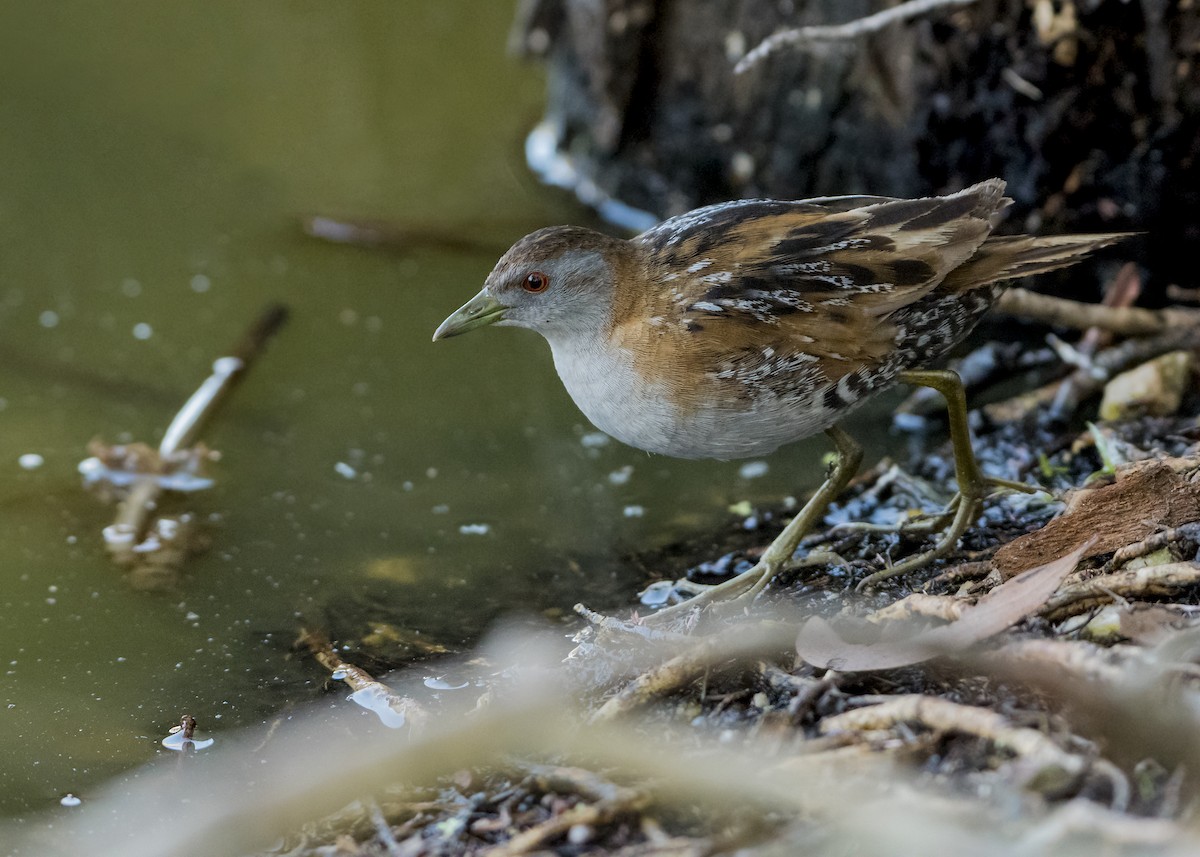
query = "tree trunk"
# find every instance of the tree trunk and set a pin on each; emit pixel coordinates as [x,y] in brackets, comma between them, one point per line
[1090,109]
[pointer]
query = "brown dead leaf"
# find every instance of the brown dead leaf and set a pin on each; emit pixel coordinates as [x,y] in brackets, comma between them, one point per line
[1010,602]
[1147,496]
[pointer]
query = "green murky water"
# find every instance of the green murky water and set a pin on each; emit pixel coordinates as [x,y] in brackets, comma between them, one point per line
[155,159]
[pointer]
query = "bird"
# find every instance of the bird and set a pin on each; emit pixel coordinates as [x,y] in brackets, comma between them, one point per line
[728,331]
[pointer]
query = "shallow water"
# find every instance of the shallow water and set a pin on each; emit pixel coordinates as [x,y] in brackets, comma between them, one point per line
[156,159]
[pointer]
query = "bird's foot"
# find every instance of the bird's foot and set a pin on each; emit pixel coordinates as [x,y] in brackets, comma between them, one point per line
[741,588]
[952,521]
[966,508]
[737,592]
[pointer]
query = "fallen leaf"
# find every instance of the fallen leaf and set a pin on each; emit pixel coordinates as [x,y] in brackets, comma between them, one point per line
[1010,602]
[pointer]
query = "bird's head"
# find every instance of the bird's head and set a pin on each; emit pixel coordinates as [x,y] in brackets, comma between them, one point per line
[557,281]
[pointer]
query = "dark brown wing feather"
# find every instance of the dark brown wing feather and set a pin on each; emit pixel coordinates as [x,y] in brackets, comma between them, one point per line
[1008,257]
[804,281]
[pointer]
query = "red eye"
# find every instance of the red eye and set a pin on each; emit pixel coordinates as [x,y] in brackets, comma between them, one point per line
[536,282]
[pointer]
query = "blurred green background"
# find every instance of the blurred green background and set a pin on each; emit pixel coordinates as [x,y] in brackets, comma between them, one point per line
[156,158]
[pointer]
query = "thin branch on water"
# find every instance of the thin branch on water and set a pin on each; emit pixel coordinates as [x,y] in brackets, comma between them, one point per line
[124,537]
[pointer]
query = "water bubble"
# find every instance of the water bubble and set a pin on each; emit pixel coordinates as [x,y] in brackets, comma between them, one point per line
[48,319]
[70,800]
[130,287]
[344,469]
[440,683]
[142,331]
[634,511]
[595,440]
[339,674]
[31,461]
[620,477]
[657,594]
[475,529]
[753,469]
[200,284]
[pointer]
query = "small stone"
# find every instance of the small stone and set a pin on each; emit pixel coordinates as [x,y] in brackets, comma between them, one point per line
[735,45]
[1154,389]
[742,167]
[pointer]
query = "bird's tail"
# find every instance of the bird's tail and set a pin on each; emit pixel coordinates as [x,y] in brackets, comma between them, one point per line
[1010,256]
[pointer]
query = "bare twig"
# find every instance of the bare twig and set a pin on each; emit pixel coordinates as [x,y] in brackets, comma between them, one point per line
[1180,294]
[840,32]
[1152,543]
[608,802]
[1124,291]
[752,639]
[1127,321]
[1146,582]
[1084,383]
[919,605]
[958,574]
[1051,765]
[1078,660]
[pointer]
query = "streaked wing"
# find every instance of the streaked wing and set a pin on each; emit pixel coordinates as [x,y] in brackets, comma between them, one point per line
[809,281]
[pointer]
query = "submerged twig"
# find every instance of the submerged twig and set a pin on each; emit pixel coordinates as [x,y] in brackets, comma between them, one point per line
[400,236]
[141,475]
[393,710]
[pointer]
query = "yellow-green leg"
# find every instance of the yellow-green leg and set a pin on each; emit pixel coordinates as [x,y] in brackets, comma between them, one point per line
[973,486]
[778,554]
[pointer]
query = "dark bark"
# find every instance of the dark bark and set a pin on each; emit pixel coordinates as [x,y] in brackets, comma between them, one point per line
[643,98]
